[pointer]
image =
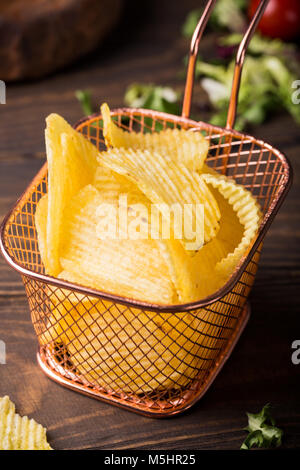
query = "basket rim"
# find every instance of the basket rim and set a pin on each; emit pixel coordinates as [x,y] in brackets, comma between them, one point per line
[173,308]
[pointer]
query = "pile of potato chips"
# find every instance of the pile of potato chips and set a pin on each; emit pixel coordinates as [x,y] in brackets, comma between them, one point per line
[19,433]
[161,168]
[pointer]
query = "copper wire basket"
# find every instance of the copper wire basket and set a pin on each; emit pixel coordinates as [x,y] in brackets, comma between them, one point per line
[134,354]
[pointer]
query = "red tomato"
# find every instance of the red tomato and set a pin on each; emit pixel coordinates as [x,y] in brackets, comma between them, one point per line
[281,18]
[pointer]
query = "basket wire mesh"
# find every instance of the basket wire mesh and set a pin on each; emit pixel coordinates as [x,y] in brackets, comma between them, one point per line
[153,359]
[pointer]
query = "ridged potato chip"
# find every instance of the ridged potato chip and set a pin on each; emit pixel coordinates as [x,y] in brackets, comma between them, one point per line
[248,213]
[113,183]
[72,162]
[206,272]
[167,183]
[187,147]
[129,268]
[19,433]
[40,219]
[174,254]
[197,277]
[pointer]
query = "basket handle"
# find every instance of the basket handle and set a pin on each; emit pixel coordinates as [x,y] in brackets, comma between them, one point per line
[239,61]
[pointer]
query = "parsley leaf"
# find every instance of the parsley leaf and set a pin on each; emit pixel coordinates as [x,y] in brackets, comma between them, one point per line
[262,430]
[85,99]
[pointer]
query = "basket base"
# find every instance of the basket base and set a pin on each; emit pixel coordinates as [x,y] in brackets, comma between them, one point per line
[145,407]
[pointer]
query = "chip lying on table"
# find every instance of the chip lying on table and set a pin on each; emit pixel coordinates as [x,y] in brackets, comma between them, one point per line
[147,220]
[19,433]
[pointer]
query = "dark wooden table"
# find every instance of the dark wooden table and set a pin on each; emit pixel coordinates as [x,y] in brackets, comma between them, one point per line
[148,47]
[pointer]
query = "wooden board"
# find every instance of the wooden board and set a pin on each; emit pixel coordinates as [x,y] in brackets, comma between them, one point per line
[38,36]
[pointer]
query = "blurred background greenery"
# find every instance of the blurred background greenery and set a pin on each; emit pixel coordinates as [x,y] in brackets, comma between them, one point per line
[69,56]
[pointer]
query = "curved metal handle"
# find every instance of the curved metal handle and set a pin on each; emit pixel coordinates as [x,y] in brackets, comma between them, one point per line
[239,62]
[240,57]
[197,35]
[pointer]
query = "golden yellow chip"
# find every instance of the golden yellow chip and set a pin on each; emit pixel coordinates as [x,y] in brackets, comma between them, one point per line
[248,213]
[71,165]
[41,228]
[114,185]
[187,147]
[201,276]
[168,184]
[197,277]
[111,184]
[93,249]
[19,433]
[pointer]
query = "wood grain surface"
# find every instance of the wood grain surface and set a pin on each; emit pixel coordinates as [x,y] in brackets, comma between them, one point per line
[148,47]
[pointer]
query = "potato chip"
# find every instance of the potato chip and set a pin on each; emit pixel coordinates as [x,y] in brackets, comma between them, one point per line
[178,262]
[196,277]
[171,249]
[71,165]
[114,184]
[248,213]
[40,219]
[111,184]
[17,433]
[201,276]
[187,147]
[126,267]
[167,183]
